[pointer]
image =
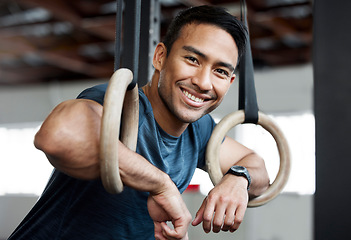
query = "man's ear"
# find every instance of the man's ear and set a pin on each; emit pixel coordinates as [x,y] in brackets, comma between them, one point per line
[160,55]
[233,78]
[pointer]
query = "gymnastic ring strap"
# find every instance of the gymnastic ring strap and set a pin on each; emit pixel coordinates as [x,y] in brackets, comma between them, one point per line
[116,96]
[247,91]
[128,14]
[219,132]
[118,34]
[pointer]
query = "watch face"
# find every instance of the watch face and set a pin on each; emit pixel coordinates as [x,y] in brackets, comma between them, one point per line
[238,168]
[241,171]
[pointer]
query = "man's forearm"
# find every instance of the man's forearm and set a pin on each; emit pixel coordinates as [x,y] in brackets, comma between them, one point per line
[258,173]
[140,174]
[233,153]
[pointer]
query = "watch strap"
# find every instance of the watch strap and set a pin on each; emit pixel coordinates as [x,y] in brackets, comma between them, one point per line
[240,171]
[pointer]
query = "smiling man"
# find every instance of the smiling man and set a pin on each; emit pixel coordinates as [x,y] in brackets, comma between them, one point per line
[194,68]
[193,78]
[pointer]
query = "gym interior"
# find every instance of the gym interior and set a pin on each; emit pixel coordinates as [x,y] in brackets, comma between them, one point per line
[51,50]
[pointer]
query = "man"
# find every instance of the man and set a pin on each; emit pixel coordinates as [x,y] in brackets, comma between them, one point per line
[194,68]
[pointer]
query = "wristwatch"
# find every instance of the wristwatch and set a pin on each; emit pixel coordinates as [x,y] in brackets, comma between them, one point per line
[240,171]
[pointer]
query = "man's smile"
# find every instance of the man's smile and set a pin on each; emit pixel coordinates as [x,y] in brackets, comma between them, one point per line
[192,97]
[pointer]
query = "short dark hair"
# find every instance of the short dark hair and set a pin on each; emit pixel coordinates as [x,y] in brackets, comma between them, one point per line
[217,16]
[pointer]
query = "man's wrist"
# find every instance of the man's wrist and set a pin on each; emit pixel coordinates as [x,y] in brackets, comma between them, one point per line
[164,184]
[242,172]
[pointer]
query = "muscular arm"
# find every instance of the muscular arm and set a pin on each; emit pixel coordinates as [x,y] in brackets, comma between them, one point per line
[233,153]
[70,139]
[225,205]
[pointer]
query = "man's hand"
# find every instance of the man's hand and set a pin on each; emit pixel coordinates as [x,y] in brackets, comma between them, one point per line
[168,205]
[225,206]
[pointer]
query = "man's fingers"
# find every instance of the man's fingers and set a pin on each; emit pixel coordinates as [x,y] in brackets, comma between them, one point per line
[197,220]
[207,216]
[218,218]
[176,233]
[198,217]
[229,219]
[239,216]
[218,214]
[158,231]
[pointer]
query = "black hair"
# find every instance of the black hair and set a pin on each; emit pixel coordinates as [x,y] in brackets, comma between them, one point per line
[216,16]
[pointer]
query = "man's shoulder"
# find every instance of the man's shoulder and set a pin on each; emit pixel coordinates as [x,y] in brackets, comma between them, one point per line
[204,126]
[96,93]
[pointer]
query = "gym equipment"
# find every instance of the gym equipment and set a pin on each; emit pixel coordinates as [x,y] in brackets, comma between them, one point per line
[110,126]
[218,134]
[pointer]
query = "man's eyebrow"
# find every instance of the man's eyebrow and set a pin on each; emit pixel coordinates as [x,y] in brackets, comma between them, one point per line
[227,65]
[194,50]
[201,54]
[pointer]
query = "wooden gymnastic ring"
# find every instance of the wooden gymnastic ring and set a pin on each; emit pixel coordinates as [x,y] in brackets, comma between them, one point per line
[219,132]
[116,95]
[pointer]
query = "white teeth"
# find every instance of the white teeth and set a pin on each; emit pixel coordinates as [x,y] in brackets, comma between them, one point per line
[192,97]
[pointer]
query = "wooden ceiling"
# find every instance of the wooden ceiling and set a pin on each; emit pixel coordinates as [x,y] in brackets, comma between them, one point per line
[66,40]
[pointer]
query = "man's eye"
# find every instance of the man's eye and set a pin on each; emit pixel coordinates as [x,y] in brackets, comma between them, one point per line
[223,72]
[191,59]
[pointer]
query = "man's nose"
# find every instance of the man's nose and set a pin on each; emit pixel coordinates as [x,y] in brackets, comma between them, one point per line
[203,79]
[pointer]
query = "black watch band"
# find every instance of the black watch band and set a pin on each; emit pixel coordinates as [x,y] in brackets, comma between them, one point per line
[240,171]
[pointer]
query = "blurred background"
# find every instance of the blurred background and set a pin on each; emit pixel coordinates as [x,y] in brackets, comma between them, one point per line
[51,50]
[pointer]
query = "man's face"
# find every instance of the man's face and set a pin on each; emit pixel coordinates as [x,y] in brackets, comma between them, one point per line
[198,71]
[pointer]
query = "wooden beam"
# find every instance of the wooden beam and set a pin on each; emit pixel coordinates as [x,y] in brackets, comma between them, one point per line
[28,75]
[75,64]
[192,3]
[68,60]
[58,8]
[102,26]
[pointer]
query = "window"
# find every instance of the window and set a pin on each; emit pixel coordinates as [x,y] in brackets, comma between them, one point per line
[23,168]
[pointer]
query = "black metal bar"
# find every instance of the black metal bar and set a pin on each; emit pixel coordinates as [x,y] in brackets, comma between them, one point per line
[247,91]
[149,38]
[332,98]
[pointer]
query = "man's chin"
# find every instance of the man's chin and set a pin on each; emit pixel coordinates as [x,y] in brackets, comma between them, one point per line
[190,118]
